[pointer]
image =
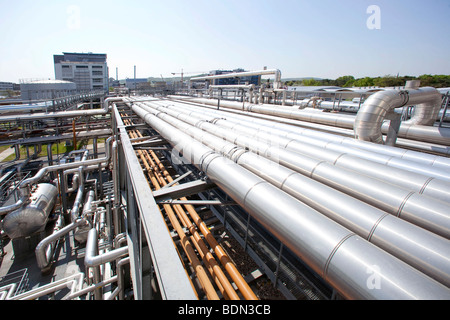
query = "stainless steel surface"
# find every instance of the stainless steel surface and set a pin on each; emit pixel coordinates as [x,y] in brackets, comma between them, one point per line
[275,72]
[338,206]
[407,130]
[381,153]
[168,269]
[314,237]
[369,118]
[32,217]
[382,194]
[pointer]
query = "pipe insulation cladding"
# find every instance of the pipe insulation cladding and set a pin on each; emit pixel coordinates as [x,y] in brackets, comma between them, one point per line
[394,235]
[388,155]
[341,257]
[32,217]
[407,130]
[290,138]
[422,210]
[370,117]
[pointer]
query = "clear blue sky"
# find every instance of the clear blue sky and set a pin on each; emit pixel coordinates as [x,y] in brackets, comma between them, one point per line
[322,38]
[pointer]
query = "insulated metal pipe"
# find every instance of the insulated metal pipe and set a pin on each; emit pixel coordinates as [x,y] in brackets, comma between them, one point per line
[43,260]
[392,152]
[419,182]
[275,72]
[369,118]
[225,287]
[62,114]
[392,156]
[416,208]
[79,196]
[93,260]
[335,253]
[25,184]
[396,236]
[419,132]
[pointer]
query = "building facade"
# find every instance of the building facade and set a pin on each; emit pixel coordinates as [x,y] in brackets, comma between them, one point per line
[46,89]
[89,71]
[256,80]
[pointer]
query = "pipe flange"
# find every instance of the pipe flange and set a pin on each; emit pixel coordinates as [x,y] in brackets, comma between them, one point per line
[236,153]
[214,120]
[199,122]
[203,164]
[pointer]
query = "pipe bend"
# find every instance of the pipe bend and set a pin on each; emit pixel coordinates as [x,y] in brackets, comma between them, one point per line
[370,117]
[93,259]
[41,256]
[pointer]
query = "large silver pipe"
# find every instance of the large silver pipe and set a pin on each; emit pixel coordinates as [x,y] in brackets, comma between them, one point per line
[335,253]
[393,153]
[62,114]
[370,117]
[275,72]
[415,176]
[78,198]
[394,235]
[416,208]
[392,156]
[408,131]
[44,250]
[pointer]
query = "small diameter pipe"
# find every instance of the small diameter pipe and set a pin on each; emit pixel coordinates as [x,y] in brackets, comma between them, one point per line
[223,284]
[339,256]
[391,234]
[25,185]
[43,260]
[223,257]
[416,208]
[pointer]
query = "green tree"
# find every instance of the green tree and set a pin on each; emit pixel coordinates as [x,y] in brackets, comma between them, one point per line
[363,82]
[342,81]
[311,82]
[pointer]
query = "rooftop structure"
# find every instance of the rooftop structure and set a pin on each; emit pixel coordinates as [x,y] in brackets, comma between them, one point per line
[232,192]
[89,71]
[46,89]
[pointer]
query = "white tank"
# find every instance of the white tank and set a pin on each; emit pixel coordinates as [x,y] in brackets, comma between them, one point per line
[33,217]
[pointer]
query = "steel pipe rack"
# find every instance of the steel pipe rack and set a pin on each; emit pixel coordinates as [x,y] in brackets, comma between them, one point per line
[368,221]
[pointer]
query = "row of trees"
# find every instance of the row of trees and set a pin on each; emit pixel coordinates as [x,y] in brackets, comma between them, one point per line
[437,81]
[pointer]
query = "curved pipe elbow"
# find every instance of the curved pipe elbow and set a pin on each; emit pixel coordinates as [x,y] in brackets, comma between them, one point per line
[106,103]
[93,259]
[425,114]
[370,117]
[42,257]
[13,207]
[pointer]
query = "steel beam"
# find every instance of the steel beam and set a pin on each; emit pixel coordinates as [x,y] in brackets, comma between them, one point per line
[170,273]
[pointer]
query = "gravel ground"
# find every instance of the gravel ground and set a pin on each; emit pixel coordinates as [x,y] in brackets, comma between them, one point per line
[262,286]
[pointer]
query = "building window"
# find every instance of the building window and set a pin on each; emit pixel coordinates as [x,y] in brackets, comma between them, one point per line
[97,67]
[82,67]
[97,73]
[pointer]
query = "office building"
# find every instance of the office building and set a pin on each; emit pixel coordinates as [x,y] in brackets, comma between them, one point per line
[89,71]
